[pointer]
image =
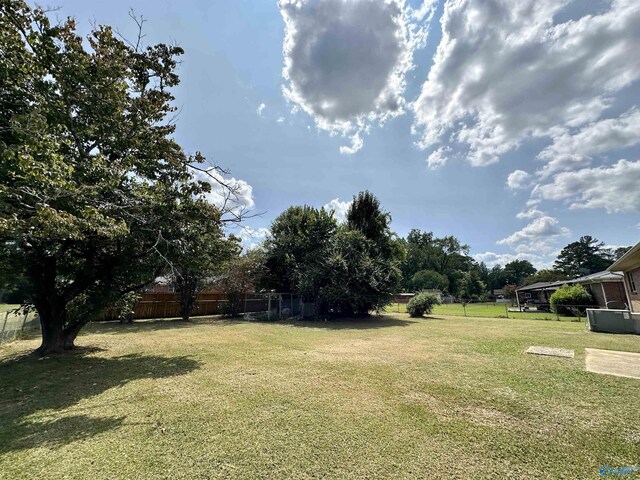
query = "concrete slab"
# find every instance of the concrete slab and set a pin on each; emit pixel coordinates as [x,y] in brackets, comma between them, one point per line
[612,362]
[552,352]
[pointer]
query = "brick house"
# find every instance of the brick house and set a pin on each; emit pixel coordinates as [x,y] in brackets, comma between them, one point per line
[629,265]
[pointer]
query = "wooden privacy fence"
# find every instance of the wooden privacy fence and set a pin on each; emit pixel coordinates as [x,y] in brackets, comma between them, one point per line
[167,305]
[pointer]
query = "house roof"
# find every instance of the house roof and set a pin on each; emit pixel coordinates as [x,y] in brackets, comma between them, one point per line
[598,277]
[536,286]
[604,276]
[628,261]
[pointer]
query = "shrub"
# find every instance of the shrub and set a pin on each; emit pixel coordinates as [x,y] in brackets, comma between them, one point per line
[422,303]
[567,298]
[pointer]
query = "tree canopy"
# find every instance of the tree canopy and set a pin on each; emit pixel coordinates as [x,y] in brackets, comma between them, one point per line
[349,269]
[583,257]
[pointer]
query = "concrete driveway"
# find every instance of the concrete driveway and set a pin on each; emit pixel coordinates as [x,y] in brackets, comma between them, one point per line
[611,362]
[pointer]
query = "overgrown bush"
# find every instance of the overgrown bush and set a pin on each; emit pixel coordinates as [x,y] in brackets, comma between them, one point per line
[569,299]
[422,304]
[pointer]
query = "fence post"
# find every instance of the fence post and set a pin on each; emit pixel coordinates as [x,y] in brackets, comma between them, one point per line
[24,322]
[506,310]
[4,326]
[245,304]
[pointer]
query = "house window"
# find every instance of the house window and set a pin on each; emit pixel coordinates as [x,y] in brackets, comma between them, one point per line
[632,283]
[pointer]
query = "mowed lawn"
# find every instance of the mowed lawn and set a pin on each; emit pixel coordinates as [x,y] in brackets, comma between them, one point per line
[387,397]
[485,309]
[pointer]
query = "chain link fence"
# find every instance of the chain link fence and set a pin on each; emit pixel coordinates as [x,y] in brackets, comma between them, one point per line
[14,324]
[499,310]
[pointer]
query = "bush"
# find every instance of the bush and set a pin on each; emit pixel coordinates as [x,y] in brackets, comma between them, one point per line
[567,298]
[422,303]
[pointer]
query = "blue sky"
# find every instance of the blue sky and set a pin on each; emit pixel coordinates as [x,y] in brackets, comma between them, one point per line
[447,109]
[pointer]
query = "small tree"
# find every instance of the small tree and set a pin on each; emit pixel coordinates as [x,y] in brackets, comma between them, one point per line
[198,250]
[241,276]
[472,287]
[510,292]
[429,279]
[570,298]
[422,304]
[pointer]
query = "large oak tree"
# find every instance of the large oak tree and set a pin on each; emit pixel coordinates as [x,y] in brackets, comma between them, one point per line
[90,174]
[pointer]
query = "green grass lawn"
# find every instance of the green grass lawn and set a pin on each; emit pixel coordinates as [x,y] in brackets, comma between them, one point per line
[489,309]
[387,397]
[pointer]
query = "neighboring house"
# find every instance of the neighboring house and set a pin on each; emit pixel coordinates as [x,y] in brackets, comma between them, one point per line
[607,289]
[629,265]
[537,294]
[160,285]
[405,297]
[166,285]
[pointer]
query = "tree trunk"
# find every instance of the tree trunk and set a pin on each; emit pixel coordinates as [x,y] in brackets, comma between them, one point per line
[52,337]
[70,333]
[187,286]
[52,321]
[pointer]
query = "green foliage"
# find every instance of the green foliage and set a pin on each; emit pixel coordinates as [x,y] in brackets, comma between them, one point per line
[355,281]
[124,306]
[545,275]
[510,291]
[584,257]
[568,298]
[429,279]
[240,277]
[349,270]
[472,288]
[196,251]
[517,270]
[446,256]
[422,304]
[369,255]
[296,248]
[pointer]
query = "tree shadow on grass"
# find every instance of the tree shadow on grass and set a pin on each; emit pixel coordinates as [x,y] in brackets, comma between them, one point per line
[33,390]
[137,326]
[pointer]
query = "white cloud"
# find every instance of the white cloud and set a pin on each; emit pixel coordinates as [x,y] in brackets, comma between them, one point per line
[227,193]
[491,259]
[280,119]
[356,144]
[252,237]
[538,237]
[518,180]
[339,208]
[438,158]
[345,62]
[504,72]
[260,109]
[614,188]
[531,213]
[569,151]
